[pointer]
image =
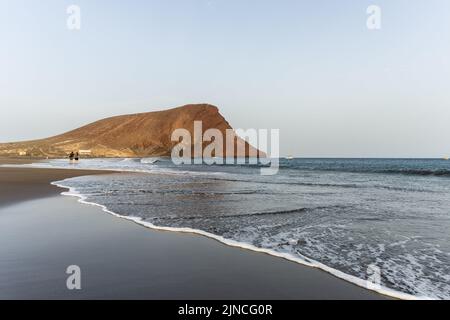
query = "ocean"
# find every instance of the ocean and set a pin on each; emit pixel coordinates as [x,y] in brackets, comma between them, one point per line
[383,220]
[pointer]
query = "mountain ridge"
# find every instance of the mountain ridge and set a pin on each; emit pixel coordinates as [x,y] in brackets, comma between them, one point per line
[130,135]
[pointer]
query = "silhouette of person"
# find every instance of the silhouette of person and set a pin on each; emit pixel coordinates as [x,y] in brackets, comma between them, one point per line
[71,156]
[77,156]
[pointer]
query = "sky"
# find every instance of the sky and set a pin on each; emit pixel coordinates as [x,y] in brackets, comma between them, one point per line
[311,69]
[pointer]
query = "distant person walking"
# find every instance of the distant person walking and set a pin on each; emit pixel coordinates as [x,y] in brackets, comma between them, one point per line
[71,156]
[77,156]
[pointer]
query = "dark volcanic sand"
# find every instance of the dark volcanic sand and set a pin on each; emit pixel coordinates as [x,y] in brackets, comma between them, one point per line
[122,260]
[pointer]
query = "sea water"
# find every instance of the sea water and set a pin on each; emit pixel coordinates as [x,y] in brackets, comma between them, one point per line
[346,216]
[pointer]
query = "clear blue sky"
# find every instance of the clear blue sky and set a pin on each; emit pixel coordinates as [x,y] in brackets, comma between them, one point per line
[310,68]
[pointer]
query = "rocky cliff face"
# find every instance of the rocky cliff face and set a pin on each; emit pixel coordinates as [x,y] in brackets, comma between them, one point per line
[134,135]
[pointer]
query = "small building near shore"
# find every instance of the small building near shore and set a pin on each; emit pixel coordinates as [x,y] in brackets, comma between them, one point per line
[85,152]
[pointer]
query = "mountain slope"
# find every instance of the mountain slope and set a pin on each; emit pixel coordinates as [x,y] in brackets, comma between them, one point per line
[134,135]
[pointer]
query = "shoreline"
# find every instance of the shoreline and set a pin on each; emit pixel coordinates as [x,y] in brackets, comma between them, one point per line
[303,261]
[22,184]
[336,284]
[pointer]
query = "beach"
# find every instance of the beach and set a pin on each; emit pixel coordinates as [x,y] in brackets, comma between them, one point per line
[42,233]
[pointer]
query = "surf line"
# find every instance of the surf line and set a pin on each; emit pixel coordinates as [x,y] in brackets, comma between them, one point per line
[233,243]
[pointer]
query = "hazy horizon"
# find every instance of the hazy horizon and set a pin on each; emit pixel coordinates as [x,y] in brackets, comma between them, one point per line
[312,69]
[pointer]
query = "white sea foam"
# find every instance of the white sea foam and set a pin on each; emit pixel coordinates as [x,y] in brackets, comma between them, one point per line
[294,258]
[136,165]
[150,160]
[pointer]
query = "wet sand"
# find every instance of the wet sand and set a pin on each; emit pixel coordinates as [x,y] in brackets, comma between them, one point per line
[42,233]
[20,184]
